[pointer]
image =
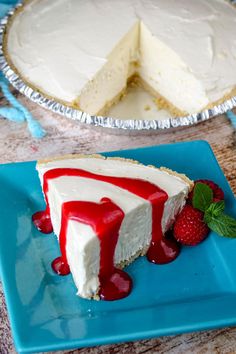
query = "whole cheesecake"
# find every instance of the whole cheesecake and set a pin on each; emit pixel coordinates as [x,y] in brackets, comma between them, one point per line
[83,53]
[106,212]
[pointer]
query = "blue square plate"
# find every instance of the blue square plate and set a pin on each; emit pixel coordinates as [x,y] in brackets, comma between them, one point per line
[195,292]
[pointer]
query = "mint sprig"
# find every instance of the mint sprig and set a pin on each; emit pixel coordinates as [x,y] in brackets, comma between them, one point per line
[223,225]
[214,215]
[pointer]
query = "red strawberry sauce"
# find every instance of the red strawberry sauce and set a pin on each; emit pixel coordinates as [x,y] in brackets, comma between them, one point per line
[105,218]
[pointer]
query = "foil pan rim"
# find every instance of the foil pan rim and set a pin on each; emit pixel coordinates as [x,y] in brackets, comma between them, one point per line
[105,122]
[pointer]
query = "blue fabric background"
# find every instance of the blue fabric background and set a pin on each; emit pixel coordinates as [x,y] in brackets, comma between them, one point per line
[16,112]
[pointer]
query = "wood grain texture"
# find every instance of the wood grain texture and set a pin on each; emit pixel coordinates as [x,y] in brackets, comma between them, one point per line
[65,136]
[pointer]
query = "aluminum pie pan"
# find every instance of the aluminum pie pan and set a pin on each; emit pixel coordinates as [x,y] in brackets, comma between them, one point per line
[106,122]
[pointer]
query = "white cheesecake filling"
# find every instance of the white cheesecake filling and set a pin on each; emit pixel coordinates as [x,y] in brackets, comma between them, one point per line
[83,250]
[112,79]
[163,70]
[81,50]
[83,247]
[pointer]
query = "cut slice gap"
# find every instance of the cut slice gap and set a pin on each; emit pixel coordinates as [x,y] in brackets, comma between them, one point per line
[139,56]
[137,103]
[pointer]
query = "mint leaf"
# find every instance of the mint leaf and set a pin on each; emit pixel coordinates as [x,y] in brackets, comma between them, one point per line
[202,196]
[222,224]
[216,208]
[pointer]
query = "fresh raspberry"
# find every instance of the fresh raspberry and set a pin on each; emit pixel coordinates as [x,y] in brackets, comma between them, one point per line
[218,194]
[189,227]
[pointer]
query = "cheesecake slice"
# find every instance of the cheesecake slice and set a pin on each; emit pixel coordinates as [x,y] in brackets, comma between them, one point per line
[105,213]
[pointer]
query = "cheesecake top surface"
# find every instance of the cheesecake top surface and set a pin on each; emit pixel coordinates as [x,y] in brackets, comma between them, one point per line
[59,46]
[170,181]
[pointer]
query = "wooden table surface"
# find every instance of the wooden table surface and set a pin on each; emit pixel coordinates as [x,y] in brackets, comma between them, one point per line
[65,136]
